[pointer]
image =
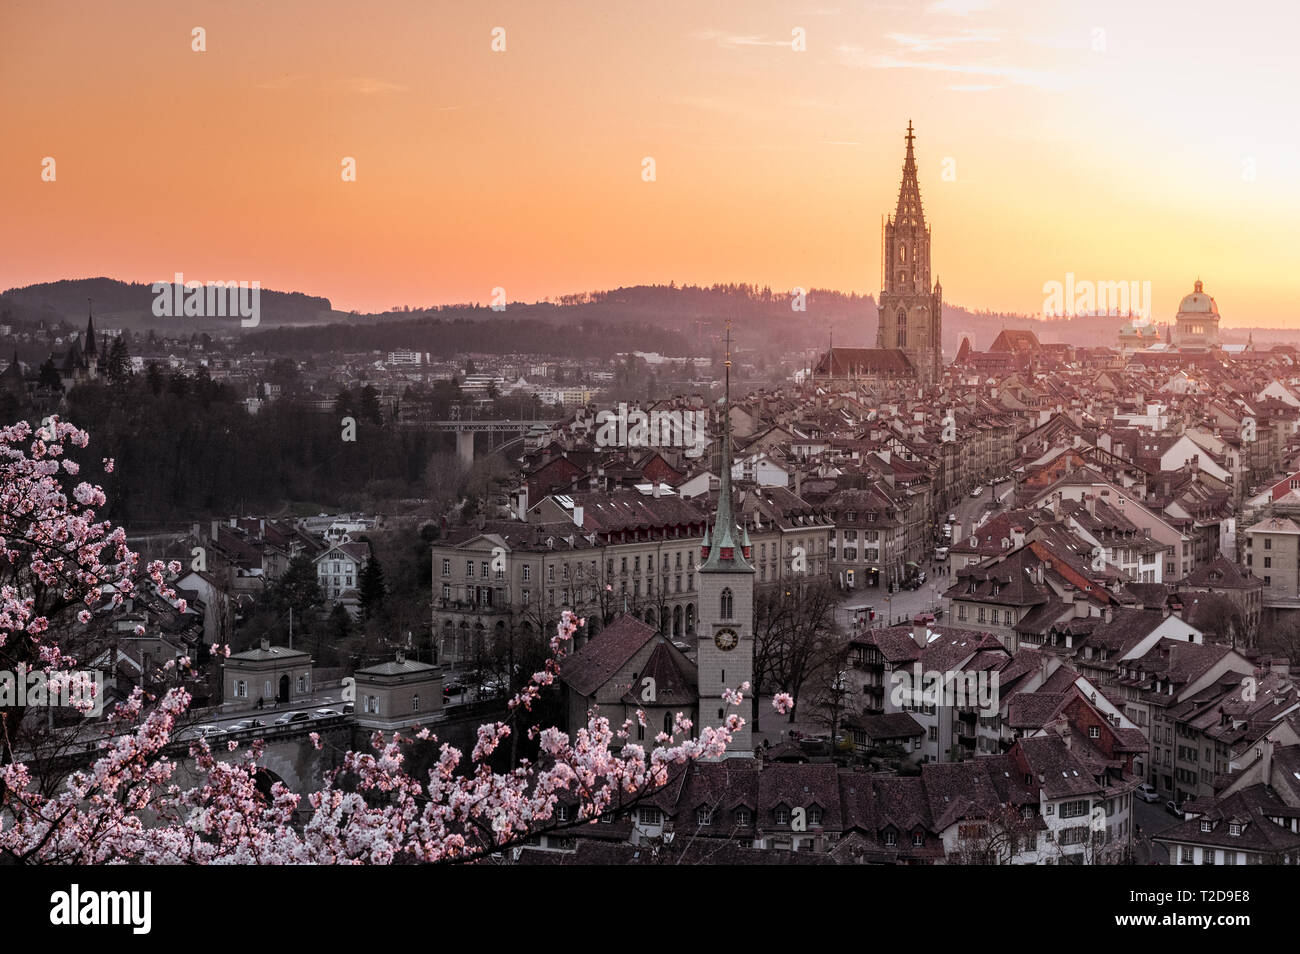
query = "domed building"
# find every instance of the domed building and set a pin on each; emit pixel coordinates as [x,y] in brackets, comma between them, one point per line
[1196,326]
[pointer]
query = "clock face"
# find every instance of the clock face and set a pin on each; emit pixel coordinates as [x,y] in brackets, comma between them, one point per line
[726,639]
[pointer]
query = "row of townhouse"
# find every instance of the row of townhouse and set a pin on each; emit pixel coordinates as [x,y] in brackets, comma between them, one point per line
[1050,799]
[599,554]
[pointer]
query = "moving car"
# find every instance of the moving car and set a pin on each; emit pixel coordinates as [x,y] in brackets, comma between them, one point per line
[979,489]
[247,724]
[1172,808]
[940,554]
[327,713]
[1147,792]
[292,717]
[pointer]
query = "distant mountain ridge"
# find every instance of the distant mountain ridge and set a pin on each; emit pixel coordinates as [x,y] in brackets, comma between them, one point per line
[691,317]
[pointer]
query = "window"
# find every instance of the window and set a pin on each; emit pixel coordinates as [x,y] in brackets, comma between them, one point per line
[891,839]
[527,572]
[814,816]
[1074,809]
[742,817]
[647,815]
[1094,732]
[469,569]
[918,839]
[562,813]
[1187,855]
[446,567]
[703,816]
[415,702]
[782,816]
[726,607]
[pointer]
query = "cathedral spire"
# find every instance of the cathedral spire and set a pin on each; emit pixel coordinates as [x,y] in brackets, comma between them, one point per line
[909,211]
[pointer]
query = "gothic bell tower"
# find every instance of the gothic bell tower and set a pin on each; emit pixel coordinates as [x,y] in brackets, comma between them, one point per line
[725,577]
[910,309]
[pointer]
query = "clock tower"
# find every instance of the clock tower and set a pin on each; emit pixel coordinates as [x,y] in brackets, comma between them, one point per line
[726,614]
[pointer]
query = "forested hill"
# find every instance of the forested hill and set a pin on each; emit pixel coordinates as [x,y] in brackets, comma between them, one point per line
[671,319]
[130,305]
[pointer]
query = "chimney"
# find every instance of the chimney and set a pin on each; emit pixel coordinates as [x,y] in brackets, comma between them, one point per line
[194,530]
[578,516]
[654,492]
[798,483]
[1061,725]
[1091,501]
[261,527]
[920,628]
[266,645]
[1106,615]
[523,502]
[401,656]
[215,525]
[1017,537]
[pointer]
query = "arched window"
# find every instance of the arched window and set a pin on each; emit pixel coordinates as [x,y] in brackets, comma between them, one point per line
[901,320]
[668,723]
[725,609]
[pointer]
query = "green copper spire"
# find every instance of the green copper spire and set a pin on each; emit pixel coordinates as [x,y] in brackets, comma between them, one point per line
[726,553]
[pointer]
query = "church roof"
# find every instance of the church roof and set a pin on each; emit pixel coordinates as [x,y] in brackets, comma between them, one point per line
[849,362]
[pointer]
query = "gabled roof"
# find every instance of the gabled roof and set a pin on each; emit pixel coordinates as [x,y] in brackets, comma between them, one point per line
[596,663]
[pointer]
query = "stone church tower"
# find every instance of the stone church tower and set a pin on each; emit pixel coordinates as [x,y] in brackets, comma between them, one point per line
[725,629]
[910,313]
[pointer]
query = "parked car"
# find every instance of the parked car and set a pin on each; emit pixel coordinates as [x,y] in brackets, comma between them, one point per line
[1147,792]
[327,713]
[200,732]
[1172,808]
[246,724]
[289,717]
[952,518]
[979,489]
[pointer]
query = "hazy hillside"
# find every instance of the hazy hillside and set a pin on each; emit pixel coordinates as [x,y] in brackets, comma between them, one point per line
[675,320]
[125,305]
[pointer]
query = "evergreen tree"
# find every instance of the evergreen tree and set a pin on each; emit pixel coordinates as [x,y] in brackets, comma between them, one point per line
[49,377]
[370,586]
[119,362]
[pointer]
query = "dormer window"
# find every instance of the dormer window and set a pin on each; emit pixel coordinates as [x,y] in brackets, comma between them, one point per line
[1234,828]
[891,839]
[1207,825]
[918,839]
[783,816]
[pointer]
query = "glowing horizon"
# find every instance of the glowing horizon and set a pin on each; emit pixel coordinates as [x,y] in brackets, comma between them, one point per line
[1111,144]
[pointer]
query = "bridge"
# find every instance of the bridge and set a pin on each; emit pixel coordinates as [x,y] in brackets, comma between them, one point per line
[466,429]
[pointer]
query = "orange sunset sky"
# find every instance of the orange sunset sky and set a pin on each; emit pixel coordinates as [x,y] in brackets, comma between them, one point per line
[1120,141]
